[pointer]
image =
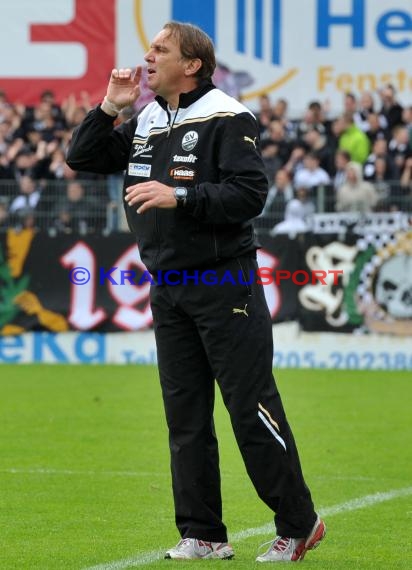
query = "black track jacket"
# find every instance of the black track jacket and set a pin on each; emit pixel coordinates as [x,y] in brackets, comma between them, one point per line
[211,147]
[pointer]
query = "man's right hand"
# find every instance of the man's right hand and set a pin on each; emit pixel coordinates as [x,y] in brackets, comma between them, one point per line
[123,89]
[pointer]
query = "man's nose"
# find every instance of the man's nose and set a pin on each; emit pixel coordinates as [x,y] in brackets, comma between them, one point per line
[148,56]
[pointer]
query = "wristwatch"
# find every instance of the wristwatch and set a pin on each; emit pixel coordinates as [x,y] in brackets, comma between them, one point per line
[181,196]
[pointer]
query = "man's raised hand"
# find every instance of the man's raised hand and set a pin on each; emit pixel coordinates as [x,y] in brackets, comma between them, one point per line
[123,89]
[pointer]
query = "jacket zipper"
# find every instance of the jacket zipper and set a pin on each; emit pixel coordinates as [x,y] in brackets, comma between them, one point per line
[156,219]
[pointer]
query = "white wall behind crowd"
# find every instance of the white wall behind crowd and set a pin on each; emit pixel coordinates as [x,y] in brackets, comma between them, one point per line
[297,49]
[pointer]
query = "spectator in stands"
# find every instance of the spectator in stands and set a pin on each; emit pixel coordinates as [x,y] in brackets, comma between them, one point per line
[24,164]
[399,148]
[5,136]
[45,108]
[365,109]
[305,196]
[342,159]
[9,114]
[318,143]
[270,157]
[75,111]
[294,222]
[375,130]
[28,197]
[264,114]
[77,212]
[277,134]
[406,178]
[280,112]
[48,98]
[391,109]
[351,138]
[296,158]
[46,119]
[4,215]
[356,194]
[57,168]
[33,142]
[313,117]
[6,172]
[380,150]
[280,193]
[280,109]
[311,174]
[350,104]
[382,183]
[403,197]
[407,119]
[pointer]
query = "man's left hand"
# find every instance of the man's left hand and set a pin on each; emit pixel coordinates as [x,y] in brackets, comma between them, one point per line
[150,194]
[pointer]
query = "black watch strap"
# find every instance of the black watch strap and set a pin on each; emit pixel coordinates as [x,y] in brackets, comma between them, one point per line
[180,193]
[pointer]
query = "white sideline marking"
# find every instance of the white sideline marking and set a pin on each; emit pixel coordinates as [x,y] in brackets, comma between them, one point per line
[41,471]
[352,505]
[92,473]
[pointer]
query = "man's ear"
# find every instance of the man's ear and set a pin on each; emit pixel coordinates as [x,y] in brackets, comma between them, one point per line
[192,66]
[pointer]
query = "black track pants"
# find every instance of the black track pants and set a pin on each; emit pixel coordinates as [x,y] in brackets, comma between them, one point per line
[224,332]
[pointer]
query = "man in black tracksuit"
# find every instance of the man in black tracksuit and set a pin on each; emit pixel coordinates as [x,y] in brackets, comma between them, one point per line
[194,180]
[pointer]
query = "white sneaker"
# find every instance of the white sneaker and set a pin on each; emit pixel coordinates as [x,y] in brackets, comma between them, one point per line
[286,549]
[192,548]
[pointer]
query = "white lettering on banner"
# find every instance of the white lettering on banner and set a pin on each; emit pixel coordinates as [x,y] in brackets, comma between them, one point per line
[83,315]
[129,295]
[36,59]
[321,297]
[125,292]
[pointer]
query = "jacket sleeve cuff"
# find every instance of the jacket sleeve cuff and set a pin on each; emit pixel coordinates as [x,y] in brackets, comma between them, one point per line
[190,200]
[104,116]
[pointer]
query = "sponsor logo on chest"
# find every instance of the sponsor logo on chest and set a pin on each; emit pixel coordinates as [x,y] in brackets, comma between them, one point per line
[182,173]
[143,149]
[139,169]
[190,158]
[189,141]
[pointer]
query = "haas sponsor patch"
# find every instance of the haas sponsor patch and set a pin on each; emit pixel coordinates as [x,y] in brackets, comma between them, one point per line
[182,173]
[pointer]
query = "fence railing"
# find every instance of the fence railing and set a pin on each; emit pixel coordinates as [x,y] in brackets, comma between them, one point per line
[63,206]
[96,206]
[392,212]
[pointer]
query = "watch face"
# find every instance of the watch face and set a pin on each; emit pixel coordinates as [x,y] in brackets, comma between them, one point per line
[180,192]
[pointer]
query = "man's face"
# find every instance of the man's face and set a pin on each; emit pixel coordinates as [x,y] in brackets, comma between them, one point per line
[165,65]
[311,163]
[281,179]
[387,96]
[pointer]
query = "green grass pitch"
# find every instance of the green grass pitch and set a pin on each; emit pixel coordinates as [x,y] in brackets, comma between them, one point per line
[84,469]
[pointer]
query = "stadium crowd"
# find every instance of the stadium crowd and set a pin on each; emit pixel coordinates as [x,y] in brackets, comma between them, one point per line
[361,158]
[37,187]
